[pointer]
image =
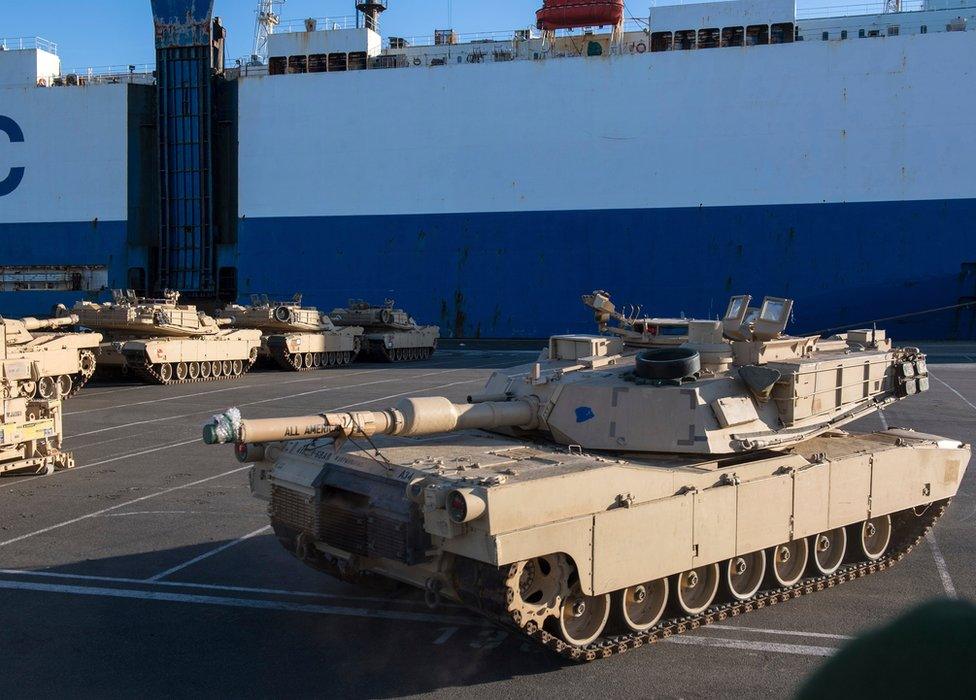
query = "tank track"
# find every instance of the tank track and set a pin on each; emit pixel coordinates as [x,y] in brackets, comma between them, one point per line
[150,373]
[294,362]
[395,355]
[88,364]
[490,595]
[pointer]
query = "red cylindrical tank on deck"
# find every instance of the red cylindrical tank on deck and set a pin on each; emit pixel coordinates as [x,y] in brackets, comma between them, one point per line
[570,14]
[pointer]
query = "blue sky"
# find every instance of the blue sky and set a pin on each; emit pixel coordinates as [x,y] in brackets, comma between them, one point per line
[112,32]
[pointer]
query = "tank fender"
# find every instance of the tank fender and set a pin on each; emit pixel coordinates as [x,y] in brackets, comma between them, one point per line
[574,538]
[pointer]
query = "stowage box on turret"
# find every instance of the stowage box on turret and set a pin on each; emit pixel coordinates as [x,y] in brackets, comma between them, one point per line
[605,497]
[295,337]
[61,363]
[391,335]
[164,342]
[30,430]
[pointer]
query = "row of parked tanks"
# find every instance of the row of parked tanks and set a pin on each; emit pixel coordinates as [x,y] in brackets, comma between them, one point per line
[162,341]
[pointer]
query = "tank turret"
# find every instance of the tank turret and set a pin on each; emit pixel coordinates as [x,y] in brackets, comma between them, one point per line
[608,495]
[162,341]
[60,363]
[390,334]
[295,337]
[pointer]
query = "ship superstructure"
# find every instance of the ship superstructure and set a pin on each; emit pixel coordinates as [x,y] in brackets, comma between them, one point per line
[486,178]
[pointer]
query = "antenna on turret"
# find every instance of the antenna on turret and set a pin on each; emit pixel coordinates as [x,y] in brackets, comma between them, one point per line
[268,17]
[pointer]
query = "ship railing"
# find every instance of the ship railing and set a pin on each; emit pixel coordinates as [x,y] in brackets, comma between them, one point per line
[504,35]
[140,73]
[27,42]
[292,26]
[848,9]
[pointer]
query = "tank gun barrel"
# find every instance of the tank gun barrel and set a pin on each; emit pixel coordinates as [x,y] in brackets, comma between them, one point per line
[37,324]
[410,418]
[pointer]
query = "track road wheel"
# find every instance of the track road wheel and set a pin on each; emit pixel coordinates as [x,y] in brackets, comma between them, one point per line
[582,618]
[166,373]
[28,389]
[874,536]
[238,367]
[317,360]
[216,369]
[828,551]
[194,370]
[744,575]
[205,370]
[47,388]
[638,608]
[182,372]
[227,368]
[64,385]
[694,590]
[789,562]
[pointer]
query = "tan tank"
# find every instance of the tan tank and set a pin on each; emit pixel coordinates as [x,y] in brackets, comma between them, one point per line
[30,430]
[604,497]
[295,337]
[60,363]
[391,335]
[164,342]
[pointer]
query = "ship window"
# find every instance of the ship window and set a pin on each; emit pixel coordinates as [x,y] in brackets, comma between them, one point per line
[338,62]
[781,33]
[894,30]
[874,33]
[357,60]
[661,41]
[318,63]
[733,36]
[709,38]
[278,65]
[923,29]
[860,33]
[685,39]
[825,36]
[297,64]
[843,34]
[757,34]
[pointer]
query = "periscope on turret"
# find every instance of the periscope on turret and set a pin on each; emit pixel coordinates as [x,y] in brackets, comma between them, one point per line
[620,490]
[294,337]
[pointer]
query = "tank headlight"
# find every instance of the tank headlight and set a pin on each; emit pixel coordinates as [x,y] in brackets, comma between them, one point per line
[246,452]
[463,506]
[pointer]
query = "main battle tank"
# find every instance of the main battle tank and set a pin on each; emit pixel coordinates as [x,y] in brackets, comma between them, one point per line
[295,337]
[30,430]
[606,497]
[60,363]
[391,335]
[164,342]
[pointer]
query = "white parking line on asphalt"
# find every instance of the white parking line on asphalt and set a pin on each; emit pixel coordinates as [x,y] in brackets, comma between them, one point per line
[105,461]
[280,605]
[782,633]
[744,645]
[280,398]
[206,555]
[235,387]
[141,499]
[940,564]
[953,390]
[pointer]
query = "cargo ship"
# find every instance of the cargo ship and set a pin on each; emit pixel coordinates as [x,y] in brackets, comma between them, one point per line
[674,156]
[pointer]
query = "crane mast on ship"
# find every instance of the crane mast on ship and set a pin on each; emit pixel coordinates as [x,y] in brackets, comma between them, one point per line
[268,17]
